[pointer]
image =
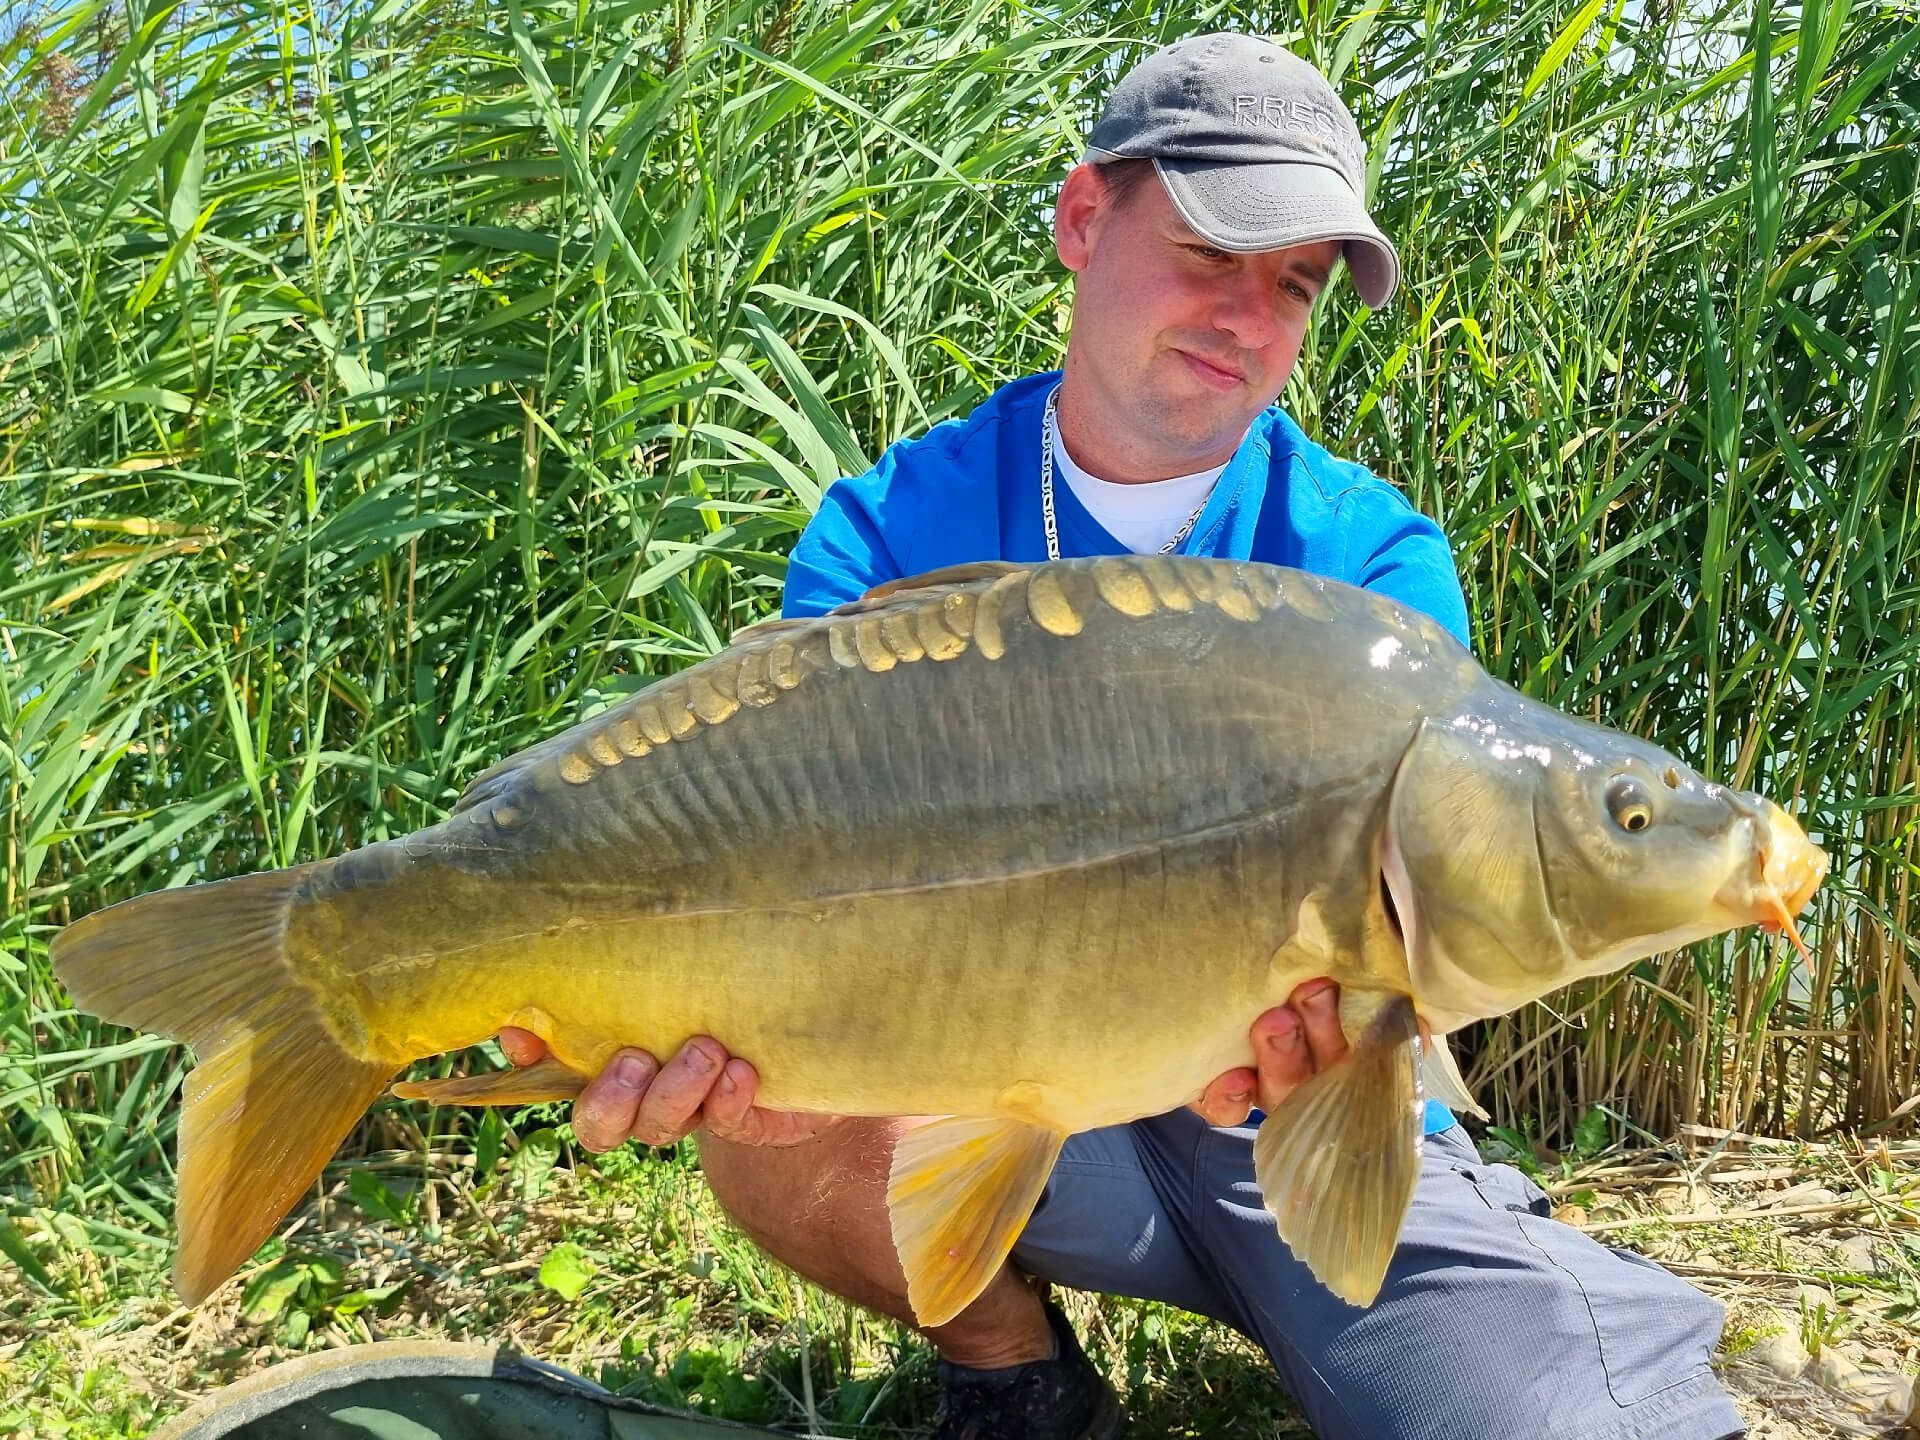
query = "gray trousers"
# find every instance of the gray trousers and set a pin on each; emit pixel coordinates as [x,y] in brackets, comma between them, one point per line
[1495,1323]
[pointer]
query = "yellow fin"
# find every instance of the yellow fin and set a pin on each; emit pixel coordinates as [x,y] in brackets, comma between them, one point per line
[531,1084]
[1337,1160]
[263,1116]
[1440,1077]
[959,1196]
[274,1093]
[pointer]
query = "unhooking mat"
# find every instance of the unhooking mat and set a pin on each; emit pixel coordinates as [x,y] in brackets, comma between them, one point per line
[431,1390]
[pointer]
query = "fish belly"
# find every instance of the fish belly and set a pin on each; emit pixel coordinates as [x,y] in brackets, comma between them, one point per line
[1078,996]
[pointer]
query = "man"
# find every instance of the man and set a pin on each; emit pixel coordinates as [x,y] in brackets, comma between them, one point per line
[1222,187]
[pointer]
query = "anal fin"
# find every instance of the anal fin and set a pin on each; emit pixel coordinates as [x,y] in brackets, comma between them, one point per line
[1338,1159]
[531,1084]
[958,1197]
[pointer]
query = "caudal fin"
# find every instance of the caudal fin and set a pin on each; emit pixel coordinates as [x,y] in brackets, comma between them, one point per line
[273,1094]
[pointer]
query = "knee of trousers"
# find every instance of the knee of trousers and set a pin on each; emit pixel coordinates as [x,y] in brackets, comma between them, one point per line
[1103,1225]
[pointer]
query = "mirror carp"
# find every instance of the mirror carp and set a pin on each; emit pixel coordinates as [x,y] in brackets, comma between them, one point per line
[1023,847]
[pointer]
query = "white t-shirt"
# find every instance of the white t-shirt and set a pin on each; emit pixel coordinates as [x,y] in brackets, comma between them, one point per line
[1142,517]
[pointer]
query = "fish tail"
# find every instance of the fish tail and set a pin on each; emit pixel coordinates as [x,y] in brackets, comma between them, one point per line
[274,1092]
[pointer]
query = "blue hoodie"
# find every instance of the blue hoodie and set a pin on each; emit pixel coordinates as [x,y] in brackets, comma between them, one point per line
[970,490]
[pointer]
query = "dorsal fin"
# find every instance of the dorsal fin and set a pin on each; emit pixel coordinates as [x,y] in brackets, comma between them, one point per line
[932,579]
[761,629]
[965,574]
[492,782]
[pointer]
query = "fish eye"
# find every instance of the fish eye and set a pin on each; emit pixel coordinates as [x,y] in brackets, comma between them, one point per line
[1629,804]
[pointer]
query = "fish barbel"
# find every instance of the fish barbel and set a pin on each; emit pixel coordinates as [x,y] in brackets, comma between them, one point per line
[1024,847]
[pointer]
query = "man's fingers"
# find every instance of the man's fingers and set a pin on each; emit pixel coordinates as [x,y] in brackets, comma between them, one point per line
[1229,1098]
[732,1097]
[522,1047]
[604,1114]
[731,1114]
[780,1127]
[672,1107]
[637,1098]
[1280,1045]
[1318,1005]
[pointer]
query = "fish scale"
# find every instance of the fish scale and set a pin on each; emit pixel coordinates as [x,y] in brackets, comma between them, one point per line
[1025,847]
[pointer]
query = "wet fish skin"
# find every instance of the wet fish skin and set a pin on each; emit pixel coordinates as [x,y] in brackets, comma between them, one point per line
[951,853]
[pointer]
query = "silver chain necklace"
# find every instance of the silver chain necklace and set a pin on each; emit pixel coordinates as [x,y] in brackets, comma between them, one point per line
[1046,490]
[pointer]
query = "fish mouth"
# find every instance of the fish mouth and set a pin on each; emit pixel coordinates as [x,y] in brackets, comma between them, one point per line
[1785,871]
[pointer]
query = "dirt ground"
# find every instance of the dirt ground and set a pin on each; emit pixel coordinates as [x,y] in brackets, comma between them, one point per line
[1812,1248]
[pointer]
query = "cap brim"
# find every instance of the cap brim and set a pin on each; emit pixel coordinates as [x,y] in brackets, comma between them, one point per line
[1244,207]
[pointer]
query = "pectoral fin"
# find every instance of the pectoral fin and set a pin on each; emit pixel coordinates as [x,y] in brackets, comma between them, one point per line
[531,1084]
[1440,1077]
[960,1194]
[1337,1160]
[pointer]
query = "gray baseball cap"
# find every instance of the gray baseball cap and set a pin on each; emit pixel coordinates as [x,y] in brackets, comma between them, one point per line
[1254,148]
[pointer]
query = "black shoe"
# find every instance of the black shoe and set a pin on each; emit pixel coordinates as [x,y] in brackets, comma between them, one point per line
[1064,1398]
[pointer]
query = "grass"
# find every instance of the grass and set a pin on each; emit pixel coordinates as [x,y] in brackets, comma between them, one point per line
[387,392]
[620,1268]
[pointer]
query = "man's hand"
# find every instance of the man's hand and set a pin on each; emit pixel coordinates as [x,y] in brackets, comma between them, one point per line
[637,1098]
[1291,1044]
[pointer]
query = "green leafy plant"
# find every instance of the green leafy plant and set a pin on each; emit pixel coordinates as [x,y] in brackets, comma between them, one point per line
[1822,1325]
[298,1292]
[378,1200]
[533,1162]
[566,1270]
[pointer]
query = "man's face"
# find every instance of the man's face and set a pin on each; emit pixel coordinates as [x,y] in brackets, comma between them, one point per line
[1177,343]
